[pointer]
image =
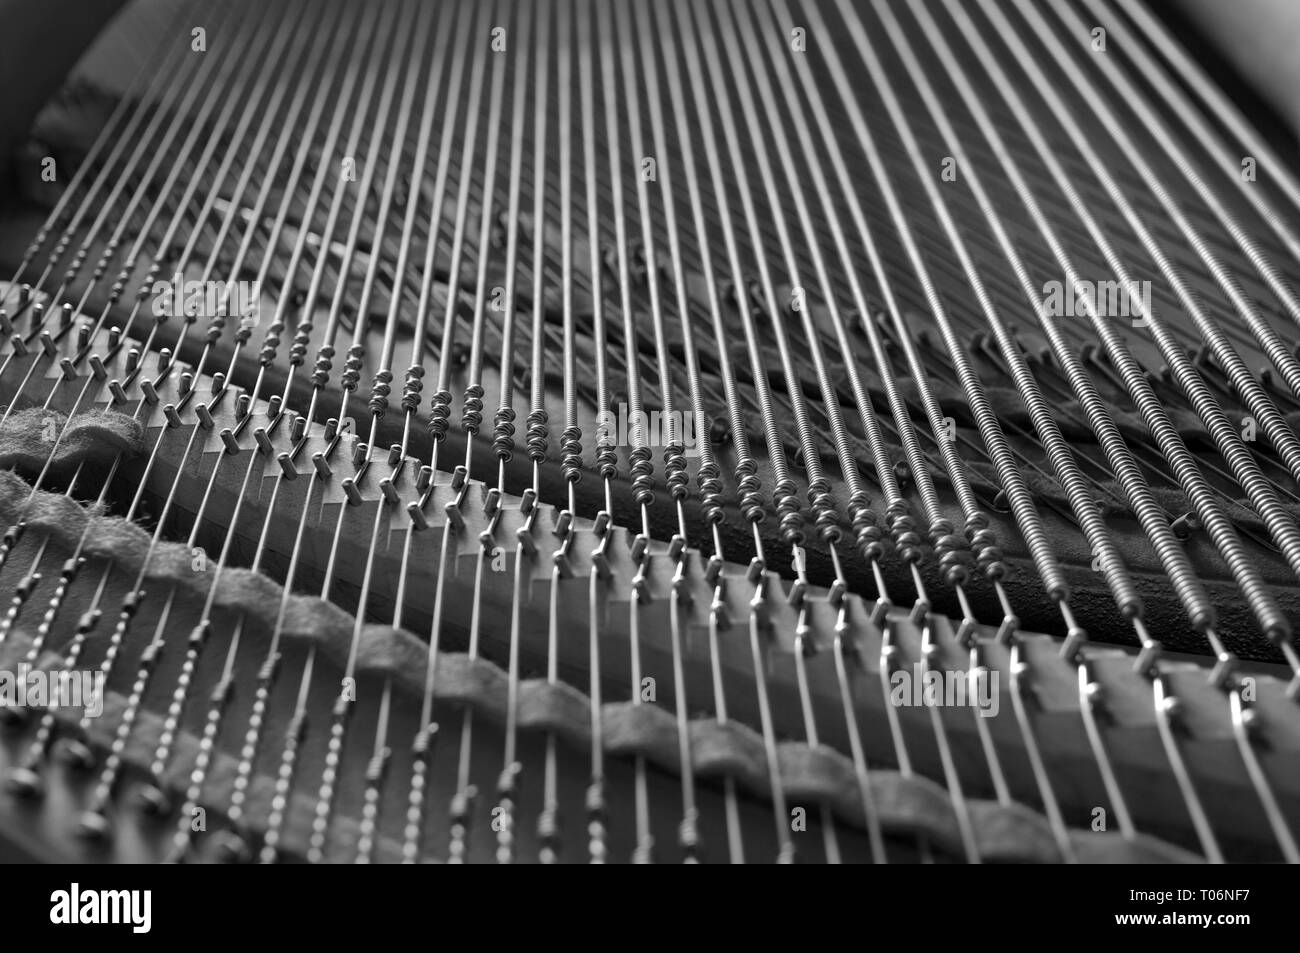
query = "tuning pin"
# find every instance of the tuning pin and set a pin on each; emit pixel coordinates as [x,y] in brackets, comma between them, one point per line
[164,360]
[322,465]
[147,388]
[639,546]
[25,783]
[641,589]
[205,417]
[562,564]
[297,428]
[153,800]
[75,753]
[352,493]
[218,382]
[94,826]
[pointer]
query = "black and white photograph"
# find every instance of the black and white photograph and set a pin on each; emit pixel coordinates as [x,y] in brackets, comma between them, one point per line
[661,432]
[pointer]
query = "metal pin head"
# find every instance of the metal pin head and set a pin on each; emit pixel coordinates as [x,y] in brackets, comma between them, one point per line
[115,388]
[322,465]
[185,383]
[6,326]
[394,454]
[242,406]
[69,372]
[640,546]
[97,367]
[132,359]
[273,406]
[676,547]
[331,428]
[562,564]
[16,342]
[263,441]
[418,520]
[796,595]
[114,337]
[286,466]
[458,477]
[228,438]
[218,382]
[205,418]
[424,479]
[164,359]
[352,493]
[360,453]
[389,491]
[150,394]
[492,502]
[173,418]
[65,315]
[454,518]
